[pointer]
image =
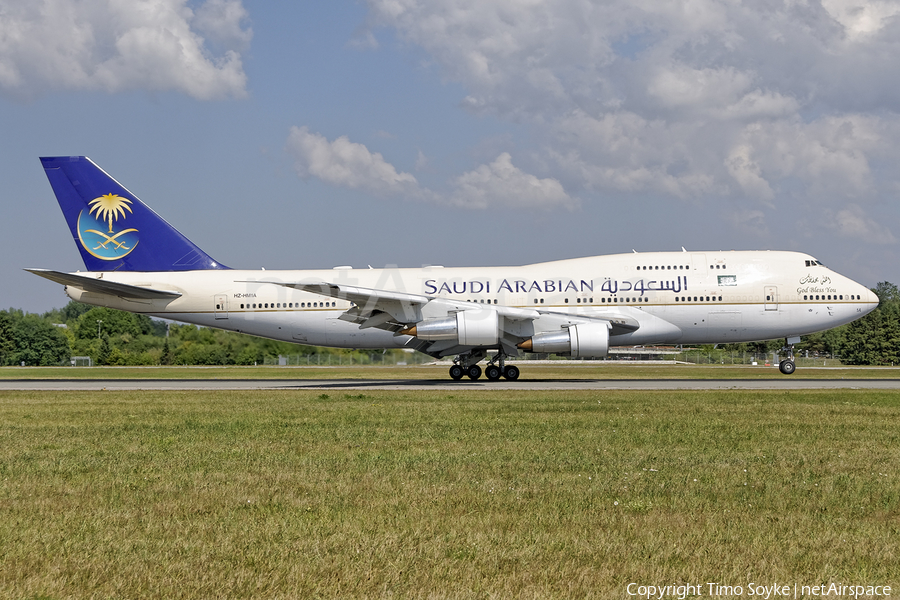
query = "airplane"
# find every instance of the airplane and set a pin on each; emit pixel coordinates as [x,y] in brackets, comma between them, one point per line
[579,307]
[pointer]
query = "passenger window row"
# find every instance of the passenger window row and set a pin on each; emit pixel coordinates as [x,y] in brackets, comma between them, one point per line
[288,305]
[831,297]
[663,268]
[270,305]
[602,300]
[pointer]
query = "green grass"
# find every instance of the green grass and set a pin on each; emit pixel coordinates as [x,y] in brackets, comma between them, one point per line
[610,370]
[459,494]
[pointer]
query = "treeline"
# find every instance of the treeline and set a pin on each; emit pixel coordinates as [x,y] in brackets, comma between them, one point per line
[112,337]
[875,339]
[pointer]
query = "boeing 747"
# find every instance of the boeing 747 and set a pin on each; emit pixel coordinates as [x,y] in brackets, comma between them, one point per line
[578,307]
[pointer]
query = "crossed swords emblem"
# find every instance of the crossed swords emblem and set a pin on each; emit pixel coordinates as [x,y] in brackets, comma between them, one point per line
[111,239]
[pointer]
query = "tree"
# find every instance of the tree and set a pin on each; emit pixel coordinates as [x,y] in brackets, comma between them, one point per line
[38,342]
[889,336]
[887,293]
[114,323]
[875,339]
[104,353]
[71,311]
[166,357]
[7,342]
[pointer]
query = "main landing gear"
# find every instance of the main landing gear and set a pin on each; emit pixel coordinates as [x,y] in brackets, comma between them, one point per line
[466,365]
[787,366]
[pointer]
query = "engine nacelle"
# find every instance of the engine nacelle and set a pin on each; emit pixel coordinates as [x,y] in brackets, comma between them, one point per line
[467,328]
[582,340]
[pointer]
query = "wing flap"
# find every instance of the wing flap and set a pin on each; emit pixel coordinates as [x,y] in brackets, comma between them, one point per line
[402,307]
[392,310]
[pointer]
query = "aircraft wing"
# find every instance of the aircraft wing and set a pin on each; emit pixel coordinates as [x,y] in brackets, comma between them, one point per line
[377,308]
[372,308]
[359,295]
[619,323]
[392,310]
[100,286]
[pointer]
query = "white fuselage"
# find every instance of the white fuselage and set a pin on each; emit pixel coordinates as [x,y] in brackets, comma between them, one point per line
[678,297]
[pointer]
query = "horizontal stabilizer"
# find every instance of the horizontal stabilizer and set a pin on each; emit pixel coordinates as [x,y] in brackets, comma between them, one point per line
[100,286]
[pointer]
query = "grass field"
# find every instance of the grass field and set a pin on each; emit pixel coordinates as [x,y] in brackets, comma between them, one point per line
[461,494]
[562,370]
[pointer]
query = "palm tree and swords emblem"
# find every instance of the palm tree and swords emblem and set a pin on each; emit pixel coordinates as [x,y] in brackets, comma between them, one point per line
[106,210]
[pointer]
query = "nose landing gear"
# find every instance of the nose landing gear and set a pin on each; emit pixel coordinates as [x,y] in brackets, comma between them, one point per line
[787,366]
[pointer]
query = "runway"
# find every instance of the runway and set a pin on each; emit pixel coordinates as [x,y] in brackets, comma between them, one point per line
[781,383]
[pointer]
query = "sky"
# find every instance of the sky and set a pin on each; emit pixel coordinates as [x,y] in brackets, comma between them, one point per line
[303,135]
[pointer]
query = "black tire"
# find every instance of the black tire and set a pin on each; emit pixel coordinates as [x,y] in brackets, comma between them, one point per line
[474,372]
[492,372]
[456,372]
[511,372]
[787,367]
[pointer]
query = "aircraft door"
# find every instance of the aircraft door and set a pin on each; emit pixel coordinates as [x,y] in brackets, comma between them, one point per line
[221,302]
[771,295]
[698,261]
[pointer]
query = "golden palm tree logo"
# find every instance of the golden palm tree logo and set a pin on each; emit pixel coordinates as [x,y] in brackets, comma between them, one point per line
[104,210]
[109,208]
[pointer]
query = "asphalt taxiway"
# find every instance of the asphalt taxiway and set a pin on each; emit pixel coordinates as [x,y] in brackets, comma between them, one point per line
[781,383]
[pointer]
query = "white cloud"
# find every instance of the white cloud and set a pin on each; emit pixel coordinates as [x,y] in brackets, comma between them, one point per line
[220,21]
[746,172]
[680,86]
[352,165]
[363,40]
[622,151]
[422,161]
[500,183]
[860,18]
[782,102]
[832,156]
[347,164]
[851,222]
[118,45]
[752,222]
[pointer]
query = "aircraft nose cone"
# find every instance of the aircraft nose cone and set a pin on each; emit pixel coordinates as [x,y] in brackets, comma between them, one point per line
[869,299]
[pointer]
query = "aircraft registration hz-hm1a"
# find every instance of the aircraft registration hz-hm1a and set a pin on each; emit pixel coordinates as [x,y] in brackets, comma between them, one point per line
[580,307]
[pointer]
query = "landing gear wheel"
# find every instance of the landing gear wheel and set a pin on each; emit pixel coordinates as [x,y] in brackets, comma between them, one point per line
[474,372]
[456,372]
[511,372]
[492,372]
[787,367]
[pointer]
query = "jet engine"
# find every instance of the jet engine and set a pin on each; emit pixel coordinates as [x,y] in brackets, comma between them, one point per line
[467,328]
[582,340]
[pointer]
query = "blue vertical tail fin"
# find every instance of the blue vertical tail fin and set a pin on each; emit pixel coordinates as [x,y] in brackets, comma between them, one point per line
[113,229]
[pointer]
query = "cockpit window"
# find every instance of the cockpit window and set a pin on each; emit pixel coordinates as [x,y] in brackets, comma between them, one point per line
[814,263]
